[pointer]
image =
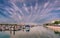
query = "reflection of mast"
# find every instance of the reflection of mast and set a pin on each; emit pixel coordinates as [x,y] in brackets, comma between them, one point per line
[10,30]
[13,36]
[14,30]
[8,27]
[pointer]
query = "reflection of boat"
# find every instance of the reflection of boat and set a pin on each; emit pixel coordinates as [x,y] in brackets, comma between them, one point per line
[12,28]
[27,28]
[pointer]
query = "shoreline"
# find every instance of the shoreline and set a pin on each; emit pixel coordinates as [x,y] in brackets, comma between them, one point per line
[54,28]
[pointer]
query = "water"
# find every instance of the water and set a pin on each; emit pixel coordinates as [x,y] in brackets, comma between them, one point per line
[39,32]
[35,32]
[4,35]
[29,11]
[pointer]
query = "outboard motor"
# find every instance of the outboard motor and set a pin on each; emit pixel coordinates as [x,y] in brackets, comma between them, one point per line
[27,28]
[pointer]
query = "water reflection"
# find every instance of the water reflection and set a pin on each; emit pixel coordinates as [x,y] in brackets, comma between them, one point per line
[35,32]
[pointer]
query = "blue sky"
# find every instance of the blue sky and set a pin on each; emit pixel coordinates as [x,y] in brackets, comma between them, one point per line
[29,11]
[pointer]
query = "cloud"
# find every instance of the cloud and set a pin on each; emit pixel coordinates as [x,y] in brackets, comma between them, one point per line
[36,11]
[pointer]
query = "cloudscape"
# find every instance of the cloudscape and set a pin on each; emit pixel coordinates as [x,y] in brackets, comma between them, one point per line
[29,11]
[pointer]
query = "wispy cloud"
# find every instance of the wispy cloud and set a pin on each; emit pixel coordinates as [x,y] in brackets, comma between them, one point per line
[29,11]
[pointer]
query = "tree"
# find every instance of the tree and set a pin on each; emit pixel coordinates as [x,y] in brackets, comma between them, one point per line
[56,22]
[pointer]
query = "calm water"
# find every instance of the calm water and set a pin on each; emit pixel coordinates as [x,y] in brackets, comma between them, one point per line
[4,35]
[35,32]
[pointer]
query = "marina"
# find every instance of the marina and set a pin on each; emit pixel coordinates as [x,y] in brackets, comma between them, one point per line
[13,28]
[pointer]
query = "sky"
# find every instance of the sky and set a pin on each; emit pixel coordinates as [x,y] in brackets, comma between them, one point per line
[29,11]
